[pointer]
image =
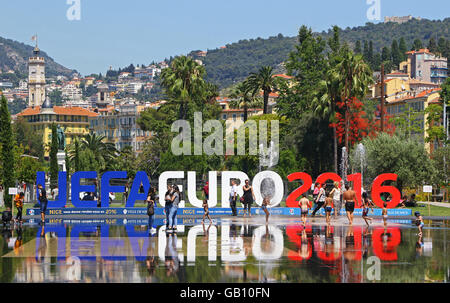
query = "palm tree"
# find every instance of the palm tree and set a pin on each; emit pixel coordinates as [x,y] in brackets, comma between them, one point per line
[355,77]
[103,152]
[324,104]
[263,80]
[243,97]
[183,82]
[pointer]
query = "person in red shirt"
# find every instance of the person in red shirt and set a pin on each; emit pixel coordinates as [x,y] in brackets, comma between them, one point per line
[206,190]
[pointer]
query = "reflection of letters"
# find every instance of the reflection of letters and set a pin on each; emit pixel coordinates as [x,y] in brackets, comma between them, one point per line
[276,245]
[192,239]
[73,272]
[232,247]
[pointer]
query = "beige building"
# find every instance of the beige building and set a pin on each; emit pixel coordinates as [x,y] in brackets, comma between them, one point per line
[36,79]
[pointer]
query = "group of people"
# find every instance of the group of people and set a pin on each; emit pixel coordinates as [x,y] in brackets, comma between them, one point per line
[335,199]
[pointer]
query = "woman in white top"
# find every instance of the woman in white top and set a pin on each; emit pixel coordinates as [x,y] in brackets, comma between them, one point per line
[336,194]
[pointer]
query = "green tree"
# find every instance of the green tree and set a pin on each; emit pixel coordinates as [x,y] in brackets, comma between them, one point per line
[53,158]
[435,130]
[358,49]
[408,123]
[406,158]
[184,83]
[432,45]
[243,97]
[308,66]
[395,53]
[262,80]
[386,54]
[355,76]
[403,49]
[7,143]
[417,45]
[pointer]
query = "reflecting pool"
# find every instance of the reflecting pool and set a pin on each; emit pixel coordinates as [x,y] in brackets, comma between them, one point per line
[227,250]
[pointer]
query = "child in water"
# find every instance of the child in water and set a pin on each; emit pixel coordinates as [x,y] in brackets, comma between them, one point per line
[419,222]
[366,205]
[266,201]
[328,207]
[384,213]
[206,209]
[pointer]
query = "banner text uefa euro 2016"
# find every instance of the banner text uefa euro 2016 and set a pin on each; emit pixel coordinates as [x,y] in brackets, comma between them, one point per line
[141,180]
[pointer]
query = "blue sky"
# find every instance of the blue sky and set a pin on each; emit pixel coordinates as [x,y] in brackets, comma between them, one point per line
[116,32]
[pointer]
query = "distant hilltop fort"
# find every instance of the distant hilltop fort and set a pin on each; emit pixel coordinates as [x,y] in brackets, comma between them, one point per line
[400,20]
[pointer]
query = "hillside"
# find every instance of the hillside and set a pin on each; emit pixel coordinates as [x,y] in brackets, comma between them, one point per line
[14,56]
[229,65]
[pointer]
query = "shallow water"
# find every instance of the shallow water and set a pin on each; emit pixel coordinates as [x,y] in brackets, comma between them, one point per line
[228,250]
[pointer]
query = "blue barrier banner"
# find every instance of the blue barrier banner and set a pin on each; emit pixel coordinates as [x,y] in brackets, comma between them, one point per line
[159,211]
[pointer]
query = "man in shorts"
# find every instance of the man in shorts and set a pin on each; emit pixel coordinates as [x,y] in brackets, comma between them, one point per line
[349,198]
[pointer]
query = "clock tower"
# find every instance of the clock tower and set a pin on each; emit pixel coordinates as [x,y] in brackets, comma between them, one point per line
[36,79]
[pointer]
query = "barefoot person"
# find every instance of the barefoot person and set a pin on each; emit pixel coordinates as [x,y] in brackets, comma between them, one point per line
[349,198]
[304,204]
[336,193]
[43,202]
[328,207]
[248,196]
[233,198]
[265,203]
[206,213]
[320,199]
[366,205]
[384,212]
[419,222]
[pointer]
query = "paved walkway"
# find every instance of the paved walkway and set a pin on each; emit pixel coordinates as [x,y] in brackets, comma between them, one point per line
[441,204]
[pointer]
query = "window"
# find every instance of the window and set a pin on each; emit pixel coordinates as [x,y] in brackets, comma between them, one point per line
[224,116]
[234,117]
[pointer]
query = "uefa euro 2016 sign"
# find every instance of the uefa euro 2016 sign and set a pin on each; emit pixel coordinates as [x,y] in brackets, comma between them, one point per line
[141,178]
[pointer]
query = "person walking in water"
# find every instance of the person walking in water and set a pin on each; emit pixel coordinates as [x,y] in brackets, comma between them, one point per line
[336,193]
[206,211]
[328,207]
[233,197]
[168,204]
[265,203]
[249,197]
[43,202]
[173,210]
[304,205]
[366,205]
[320,200]
[151,204]
[18,200]
[349,198]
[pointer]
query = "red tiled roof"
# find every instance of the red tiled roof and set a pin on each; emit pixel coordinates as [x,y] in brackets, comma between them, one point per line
[241,110]
[282,76]
[59,110]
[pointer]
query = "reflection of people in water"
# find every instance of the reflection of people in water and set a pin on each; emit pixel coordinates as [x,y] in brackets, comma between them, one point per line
[152,261]
[304,249]
[19,241]
[366,241]
[42,246]
[172,262]
[349,252]
[419,246]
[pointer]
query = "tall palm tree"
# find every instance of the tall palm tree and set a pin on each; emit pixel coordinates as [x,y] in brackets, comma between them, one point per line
[355,77]
[183,82]
[103,152]
[243,97]
[263,80]
[324,104]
